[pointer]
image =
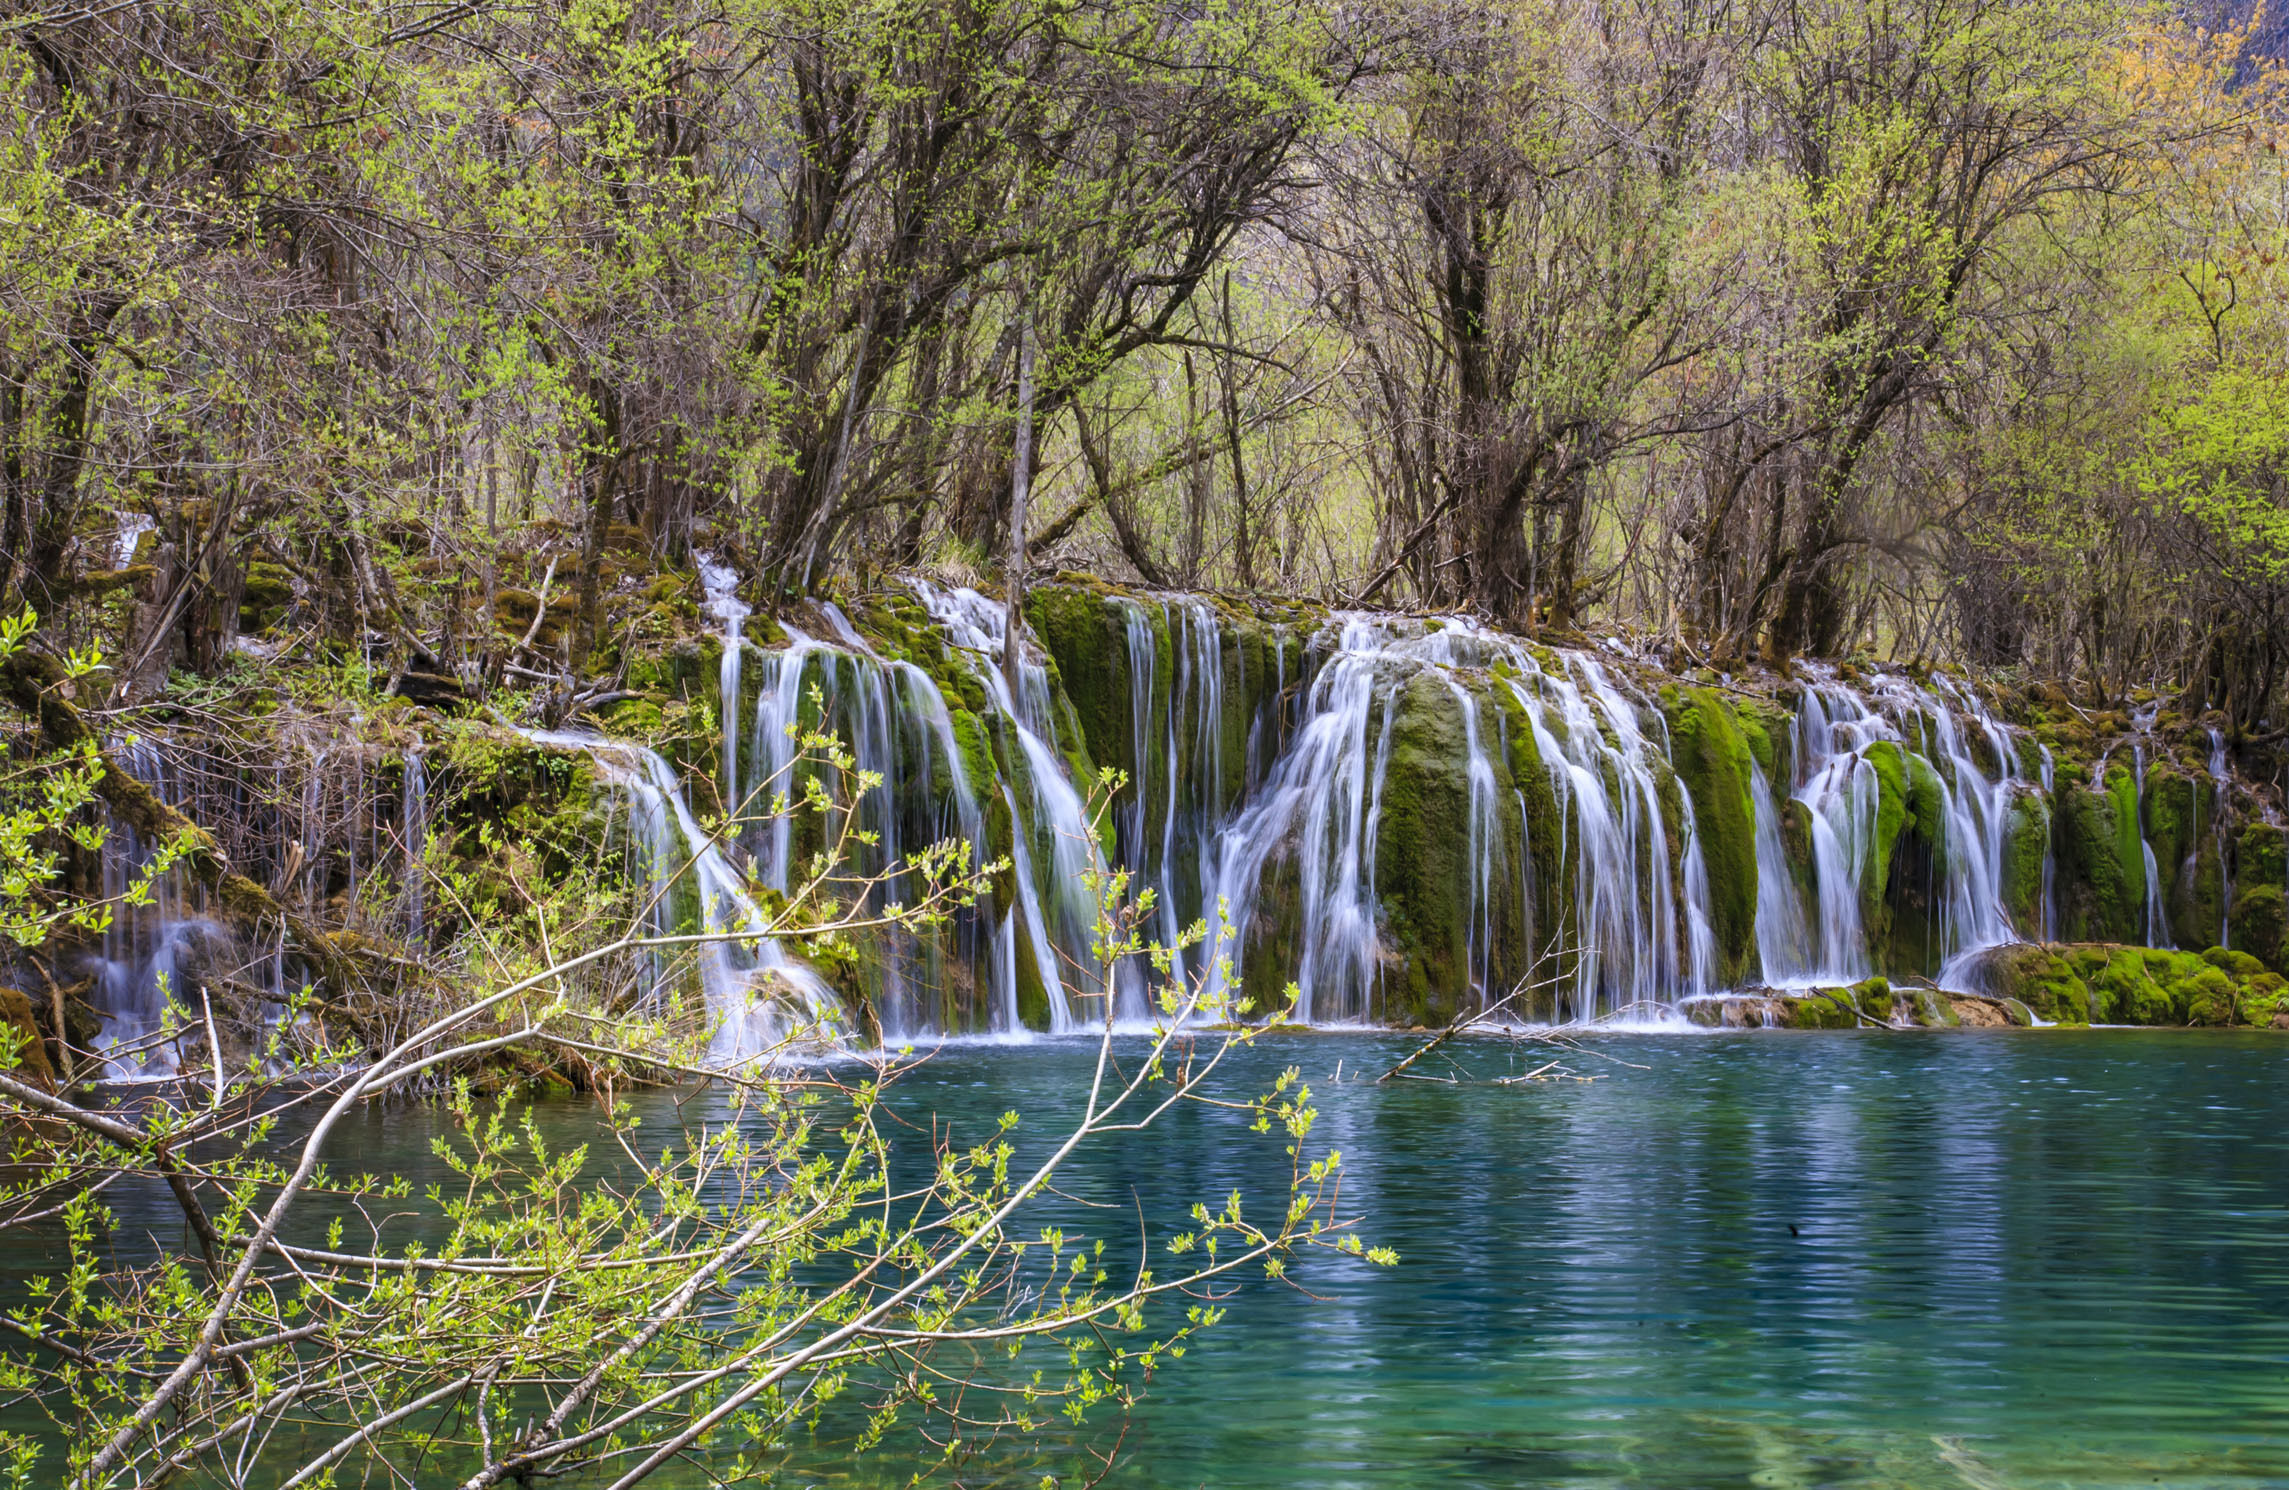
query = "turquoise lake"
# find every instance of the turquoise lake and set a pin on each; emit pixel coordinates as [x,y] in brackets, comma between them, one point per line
[2023,1259]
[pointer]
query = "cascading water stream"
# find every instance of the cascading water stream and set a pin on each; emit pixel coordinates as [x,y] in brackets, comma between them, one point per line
[2050,927]
[1976,813]
[145,947]
[2157,921]
[1837,726]
[1286,845]
[1627,953]
[2221,776]
[413,828]
[761,999]
[1783,940]
[1055,904]
[1319,807]
[1838,786]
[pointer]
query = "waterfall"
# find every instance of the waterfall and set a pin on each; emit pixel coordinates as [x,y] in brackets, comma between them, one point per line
[1169,822]
[2157,917]
[1319,807]
[720,585]
[760,998]
[1055,907]
[146,948]
[2221,776]
[1484,850]
[1838,785]
[413,826]
[2050,927]
[1783,942]
[1836,728]
[1976,811]
[1626,950]
[1277,847]
[896,723]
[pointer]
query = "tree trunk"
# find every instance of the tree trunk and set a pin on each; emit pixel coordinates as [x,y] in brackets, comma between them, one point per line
[1013,620]
[604,481]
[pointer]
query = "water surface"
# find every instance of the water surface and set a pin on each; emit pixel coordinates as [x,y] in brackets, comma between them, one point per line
[2024,1259]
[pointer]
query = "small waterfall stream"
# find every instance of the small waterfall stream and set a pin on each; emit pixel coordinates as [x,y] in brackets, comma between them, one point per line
[1319,808]
[2221,778]
[760,997]
[1783,940]
[144,946]
[1838,784]
[1626,941]
[2050,890]
[413,829]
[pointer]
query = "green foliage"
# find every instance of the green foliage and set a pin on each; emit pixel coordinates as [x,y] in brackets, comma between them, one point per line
[1712,756]
[46,816]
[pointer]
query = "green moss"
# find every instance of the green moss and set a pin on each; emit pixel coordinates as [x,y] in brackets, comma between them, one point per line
[2040,978]
[2264,997]
[2197,893]
[2236,964]
[1874,997]
[1422,866]
[1086,637]
[1891,816]
[2101,870]
[1032,994]
[1898,874]
[2122,992]
[268,592]
[2208,997]
[636,719]
[1927,802]
[1824,1010]
[1765,730]
[2260,912]
[2026,844]
[975,742]
[2129,842]
[2172,813]
[2258,855]
[1712,758]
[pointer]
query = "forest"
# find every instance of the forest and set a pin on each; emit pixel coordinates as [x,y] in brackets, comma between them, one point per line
[623,623]
[1946,331]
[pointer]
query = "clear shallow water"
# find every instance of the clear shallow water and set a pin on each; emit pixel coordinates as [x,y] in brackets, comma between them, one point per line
[2003,1260]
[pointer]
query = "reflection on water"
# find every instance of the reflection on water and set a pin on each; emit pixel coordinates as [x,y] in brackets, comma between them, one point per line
[2026,1260]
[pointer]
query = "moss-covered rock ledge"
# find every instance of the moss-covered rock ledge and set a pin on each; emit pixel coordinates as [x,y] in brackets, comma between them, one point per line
[1871,1003]
[2102,983]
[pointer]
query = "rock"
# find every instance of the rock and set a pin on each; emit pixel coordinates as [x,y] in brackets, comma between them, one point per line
[2026,844]
[1712,760]
[1822,1009]
[1979,1013]
[1874,998]
[2260,915]
[2038,977]
[2106,984]
[2101,869]
[1422,862]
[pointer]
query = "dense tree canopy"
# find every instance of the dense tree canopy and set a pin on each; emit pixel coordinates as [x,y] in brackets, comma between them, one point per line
[1945,328]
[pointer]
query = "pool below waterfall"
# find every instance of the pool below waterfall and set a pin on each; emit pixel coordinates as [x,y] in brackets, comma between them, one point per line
[2009,1259]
